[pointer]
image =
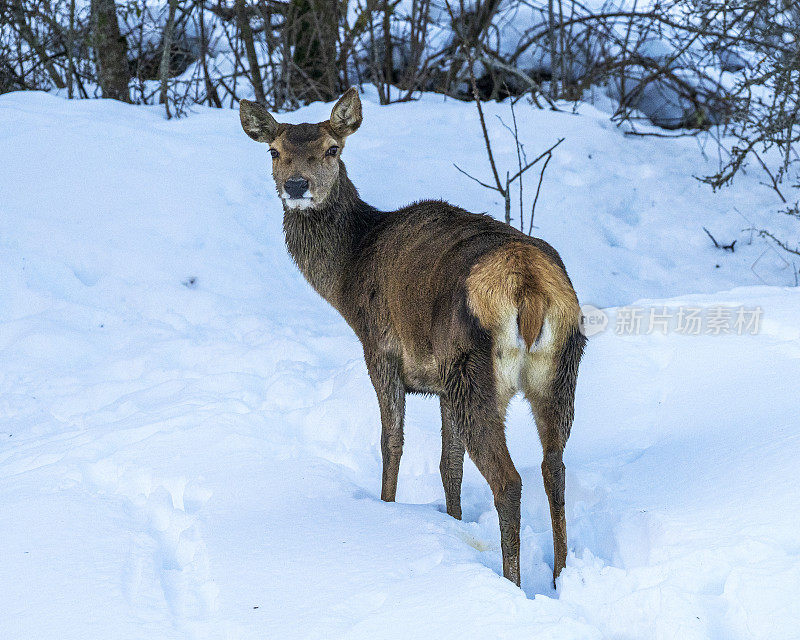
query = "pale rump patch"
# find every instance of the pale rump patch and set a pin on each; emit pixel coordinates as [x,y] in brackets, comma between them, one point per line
[516,368]
[527,303]
[518,279]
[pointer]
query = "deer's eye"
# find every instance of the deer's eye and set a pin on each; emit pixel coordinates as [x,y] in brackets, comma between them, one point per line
[332,151]
[274,153]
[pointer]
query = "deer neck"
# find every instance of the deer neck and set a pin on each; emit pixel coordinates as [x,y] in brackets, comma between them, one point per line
[322,241]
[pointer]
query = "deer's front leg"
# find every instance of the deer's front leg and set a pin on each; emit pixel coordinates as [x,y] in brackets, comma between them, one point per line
[384,371]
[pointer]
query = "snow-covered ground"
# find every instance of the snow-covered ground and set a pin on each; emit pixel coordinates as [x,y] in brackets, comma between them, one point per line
[189,439]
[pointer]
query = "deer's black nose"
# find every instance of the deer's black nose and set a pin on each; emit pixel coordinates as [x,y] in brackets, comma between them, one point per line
[296,187]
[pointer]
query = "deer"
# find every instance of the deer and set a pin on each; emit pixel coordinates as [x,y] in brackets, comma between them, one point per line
[444,302]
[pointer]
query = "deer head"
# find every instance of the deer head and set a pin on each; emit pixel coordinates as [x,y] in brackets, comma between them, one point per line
[305,157]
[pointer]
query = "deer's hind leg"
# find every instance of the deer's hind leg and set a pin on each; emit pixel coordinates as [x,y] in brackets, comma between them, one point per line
[452,463]
[550,389]
[470,401]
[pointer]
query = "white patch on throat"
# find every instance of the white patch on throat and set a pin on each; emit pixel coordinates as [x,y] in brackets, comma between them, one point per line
[297,203]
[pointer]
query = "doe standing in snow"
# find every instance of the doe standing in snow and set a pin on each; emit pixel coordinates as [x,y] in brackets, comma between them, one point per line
[444,301]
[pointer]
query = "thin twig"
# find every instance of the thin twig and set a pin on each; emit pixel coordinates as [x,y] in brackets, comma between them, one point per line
[725,247]
[486,140]
[535,160]
[538,188]
[483,184]
[766,234]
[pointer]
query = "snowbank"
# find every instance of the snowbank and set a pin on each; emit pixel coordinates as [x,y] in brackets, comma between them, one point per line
[189,440]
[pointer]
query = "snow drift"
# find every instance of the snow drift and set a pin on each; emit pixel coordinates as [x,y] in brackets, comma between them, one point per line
[189,439]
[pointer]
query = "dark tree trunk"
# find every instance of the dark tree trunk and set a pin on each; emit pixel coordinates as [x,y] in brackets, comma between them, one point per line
[110,51]
[166,51]
[250,48]
[316,33]
[71,49]
[211,91]
[388,53]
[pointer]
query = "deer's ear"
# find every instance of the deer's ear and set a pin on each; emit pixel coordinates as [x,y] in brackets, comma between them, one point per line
[346,114]
[257,121]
